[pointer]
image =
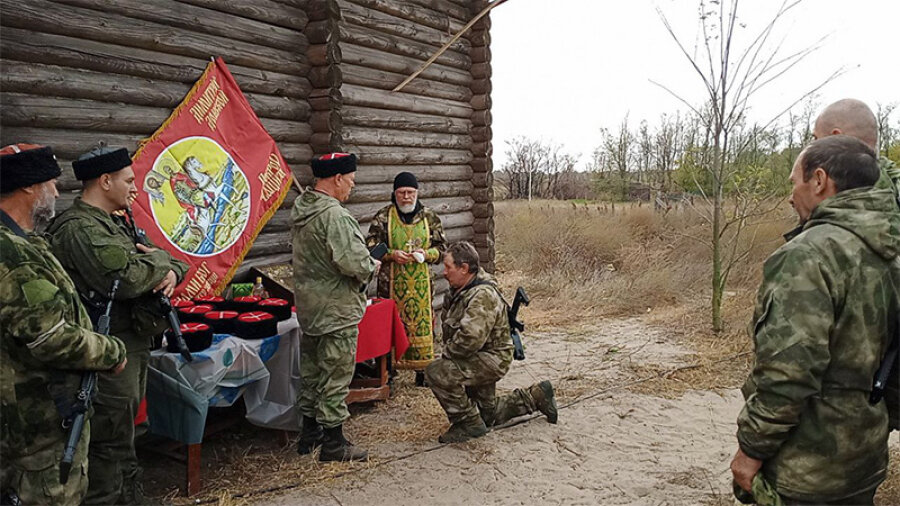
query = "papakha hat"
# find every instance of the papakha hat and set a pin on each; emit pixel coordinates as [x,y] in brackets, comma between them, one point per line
[95,163]
[333,164]
[23,165]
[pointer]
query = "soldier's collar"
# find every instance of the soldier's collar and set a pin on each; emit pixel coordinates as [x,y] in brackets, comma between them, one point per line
[11,224]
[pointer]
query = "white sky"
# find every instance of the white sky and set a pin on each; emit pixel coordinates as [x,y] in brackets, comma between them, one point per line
[563,69]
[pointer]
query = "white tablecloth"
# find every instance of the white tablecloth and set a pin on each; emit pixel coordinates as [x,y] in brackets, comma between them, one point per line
[265,372]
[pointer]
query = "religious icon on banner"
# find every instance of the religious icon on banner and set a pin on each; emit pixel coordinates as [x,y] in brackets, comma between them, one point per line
[209,179]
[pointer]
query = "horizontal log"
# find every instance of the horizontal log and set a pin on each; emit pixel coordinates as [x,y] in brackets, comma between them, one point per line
[395,45]
[481,134]
[483,148]
[369,174]
[483,179]
[364,211]
[483,226]
[368,97]
[374,78]
[480,54]
[299,4]
[373,58]
[484,254]
[326,121]
[326,76]
[459,234]
[482,118]
[262,261]
[481,70]
[483,194]
[35,47]
[382,155]
[481,87]
[325,99]
[65,82]
[399,27]
[457,220]
[267,11]
[318,10]
[483,210]
[479,38]
[402,120]
[46,16]
[29,111]
[271,245]
[482,164]
[415,13]
[326,142]
[457,11]
[322,32]
[355,135]
[484,241]
[436,189]
[198,19]
[324,54]
[480,102]
[485,22]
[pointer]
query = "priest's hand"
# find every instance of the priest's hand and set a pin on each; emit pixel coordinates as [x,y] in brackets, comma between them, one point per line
[401,257]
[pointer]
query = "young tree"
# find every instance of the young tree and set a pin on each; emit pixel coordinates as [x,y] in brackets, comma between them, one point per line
[731,78]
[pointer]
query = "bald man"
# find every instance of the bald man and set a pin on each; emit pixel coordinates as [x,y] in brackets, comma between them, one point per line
[854,118]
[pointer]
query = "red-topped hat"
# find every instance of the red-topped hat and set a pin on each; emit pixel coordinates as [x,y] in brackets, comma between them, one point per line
[256,325]
[180,303]
[197,337]
[194,313]
[249,298]
[279,308]
[333,164]
[222,321]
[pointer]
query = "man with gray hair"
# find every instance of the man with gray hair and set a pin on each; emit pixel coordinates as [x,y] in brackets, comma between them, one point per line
[853,117]
[477,353]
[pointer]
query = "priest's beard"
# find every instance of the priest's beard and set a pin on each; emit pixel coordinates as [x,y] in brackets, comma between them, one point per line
[44,210]
[407,209]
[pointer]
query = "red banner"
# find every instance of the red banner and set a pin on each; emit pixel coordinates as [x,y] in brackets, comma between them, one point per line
[208,181]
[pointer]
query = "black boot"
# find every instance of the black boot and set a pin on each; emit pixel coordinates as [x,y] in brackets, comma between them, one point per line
[420,379]
[336,448]
[311,437]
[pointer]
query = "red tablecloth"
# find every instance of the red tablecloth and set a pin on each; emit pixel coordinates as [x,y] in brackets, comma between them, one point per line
[380,329]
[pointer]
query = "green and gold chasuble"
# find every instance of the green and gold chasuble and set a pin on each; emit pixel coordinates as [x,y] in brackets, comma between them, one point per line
[410,288]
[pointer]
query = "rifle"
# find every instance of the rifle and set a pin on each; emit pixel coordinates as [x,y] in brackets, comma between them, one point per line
[140,237]
[516,326]
[84,396]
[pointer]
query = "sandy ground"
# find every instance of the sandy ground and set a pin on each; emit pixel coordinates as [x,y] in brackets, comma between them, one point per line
[614,447]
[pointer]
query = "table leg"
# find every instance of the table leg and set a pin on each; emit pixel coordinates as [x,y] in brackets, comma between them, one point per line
[193,469]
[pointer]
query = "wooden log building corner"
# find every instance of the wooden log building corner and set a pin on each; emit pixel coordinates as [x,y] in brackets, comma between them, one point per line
[318,73]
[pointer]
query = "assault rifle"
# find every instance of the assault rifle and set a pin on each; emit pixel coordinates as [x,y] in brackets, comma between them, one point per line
[84,396]
[140,237]
[516,326]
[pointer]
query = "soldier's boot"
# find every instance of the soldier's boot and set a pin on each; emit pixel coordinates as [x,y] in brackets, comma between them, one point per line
[545,400]
[311,437]
[335,448]
[420,379]
[133,488]
[462,431]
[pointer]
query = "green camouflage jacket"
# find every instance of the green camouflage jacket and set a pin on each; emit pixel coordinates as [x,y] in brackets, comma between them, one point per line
[95,248]
[378,233]
[45,337]
[331,264]
[823,319]
[475,320]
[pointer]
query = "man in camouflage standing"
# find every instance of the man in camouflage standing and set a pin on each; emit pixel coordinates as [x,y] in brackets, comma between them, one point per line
[824,316]
[331,270]
[477,353]
[45,338]
[95,246]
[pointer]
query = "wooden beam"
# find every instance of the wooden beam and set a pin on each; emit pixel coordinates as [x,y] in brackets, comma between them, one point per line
[399,46]
[386,155]
[374,78]
[356,135]
[267,11]
[403,120]
[390,24]
[367,57]
[368,97]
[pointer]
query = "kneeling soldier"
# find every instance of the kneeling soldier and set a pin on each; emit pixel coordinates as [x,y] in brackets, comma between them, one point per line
[477,353]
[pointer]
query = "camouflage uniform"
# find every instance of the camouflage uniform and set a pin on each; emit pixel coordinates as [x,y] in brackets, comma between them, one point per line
[823,318]
[331,270]
[890,175]
[45,338]
[378,233]
[477,353]
[95,248]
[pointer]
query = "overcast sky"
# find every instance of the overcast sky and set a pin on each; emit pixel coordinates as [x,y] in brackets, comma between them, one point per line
[564,69]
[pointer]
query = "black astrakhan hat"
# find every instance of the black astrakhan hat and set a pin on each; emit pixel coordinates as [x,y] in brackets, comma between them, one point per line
[333,164]
[406,180]
[23,165]
[101,161]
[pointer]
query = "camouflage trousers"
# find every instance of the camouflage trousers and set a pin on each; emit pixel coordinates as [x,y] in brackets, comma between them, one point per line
[114,474]
[35,482]
[466,389]
[327,363]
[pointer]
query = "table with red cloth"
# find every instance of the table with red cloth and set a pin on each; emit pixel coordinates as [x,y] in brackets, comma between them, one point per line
[379,330]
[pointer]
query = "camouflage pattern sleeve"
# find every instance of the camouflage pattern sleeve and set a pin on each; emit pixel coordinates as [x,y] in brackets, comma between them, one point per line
[473,329]
[793,318]
[100,256]
[890,176]
[348,249]
[378,228]
[33,310]
[434,254]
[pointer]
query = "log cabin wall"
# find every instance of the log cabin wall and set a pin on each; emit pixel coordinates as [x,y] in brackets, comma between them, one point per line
[75,72]
[437,127]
